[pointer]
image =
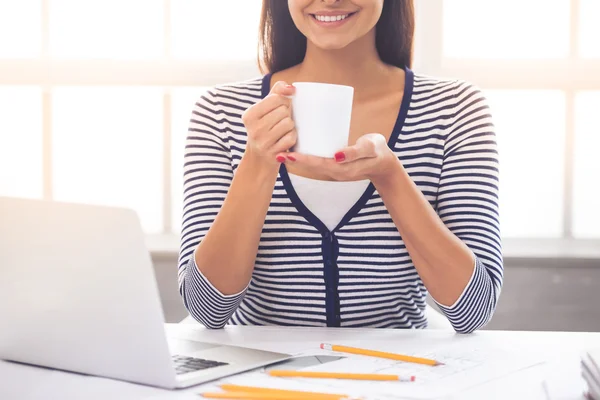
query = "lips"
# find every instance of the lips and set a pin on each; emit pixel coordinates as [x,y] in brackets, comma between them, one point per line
[332,19]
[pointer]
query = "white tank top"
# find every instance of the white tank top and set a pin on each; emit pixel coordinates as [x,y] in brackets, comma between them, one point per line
[328,200]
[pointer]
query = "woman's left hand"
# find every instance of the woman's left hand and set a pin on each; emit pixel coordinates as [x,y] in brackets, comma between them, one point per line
[370,158]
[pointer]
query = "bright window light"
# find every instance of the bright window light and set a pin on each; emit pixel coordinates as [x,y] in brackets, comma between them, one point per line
[108,149]
[586,189]
[589,29]
[20,28]
[215,30]
[21,142]
[506,29]
[106,29]
[530,127]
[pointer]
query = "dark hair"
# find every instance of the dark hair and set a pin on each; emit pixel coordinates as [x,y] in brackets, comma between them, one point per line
[282,45]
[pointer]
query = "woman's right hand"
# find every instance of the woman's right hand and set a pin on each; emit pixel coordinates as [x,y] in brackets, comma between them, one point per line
[269,125]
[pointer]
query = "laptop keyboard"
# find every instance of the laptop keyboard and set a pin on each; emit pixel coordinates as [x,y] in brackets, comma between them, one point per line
[185,365]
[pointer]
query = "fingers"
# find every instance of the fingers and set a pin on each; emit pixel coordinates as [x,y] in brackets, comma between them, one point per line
[328,167]
[286,142]
[362,149]
[276,98]
[282,88]
[282,128]
[279,95]
[315,163]
[361,161]
[270,103]
[274,117]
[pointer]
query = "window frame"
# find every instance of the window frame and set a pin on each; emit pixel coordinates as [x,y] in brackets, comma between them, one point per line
[167,72]
[570,75]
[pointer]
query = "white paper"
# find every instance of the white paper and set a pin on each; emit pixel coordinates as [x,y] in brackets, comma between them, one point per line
[463,369]
[590,371]
[563,380]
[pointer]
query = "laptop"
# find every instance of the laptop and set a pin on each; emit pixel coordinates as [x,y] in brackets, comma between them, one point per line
[78,293]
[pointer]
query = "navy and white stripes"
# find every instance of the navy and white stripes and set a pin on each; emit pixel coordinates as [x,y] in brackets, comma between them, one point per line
[359,274]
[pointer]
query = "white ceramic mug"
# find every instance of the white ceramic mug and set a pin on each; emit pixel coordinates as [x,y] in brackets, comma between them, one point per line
[321,113]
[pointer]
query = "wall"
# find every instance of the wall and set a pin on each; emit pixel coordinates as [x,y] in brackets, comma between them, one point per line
[165,269]
[561,295]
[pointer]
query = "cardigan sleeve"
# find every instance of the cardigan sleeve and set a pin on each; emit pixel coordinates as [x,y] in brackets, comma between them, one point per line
[207,176]
[467,203]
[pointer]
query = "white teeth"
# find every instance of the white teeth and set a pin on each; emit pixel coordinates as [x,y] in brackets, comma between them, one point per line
[328,18]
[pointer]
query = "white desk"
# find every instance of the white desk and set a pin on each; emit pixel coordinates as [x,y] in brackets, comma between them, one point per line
[28,383]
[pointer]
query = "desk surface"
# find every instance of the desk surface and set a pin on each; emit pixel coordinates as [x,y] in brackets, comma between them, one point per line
[28,383]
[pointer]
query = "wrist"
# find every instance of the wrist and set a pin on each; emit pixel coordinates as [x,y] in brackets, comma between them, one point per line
[389,169]
[258,167]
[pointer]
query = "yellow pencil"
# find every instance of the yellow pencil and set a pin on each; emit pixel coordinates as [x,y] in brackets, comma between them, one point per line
[339,375]
[251,389]
[267,396]
[380,354]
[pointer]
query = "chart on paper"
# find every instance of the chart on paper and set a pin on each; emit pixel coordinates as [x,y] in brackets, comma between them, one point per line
[454,362]
[462,369]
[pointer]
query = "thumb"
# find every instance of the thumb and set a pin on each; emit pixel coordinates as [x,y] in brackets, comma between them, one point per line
[283,88]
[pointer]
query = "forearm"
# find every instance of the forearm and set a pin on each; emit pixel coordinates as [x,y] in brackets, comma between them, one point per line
[227,253]
[443,261]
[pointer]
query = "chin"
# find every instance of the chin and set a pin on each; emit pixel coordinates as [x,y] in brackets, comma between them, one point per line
[334,44]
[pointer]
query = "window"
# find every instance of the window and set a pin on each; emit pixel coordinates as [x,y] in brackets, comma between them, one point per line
[107,148]
[586,209]
[531,135]
[536,61]
[121,78]
[20,19]
[193,19]
[503,29]
[109,29]
[590,30]
[21,141]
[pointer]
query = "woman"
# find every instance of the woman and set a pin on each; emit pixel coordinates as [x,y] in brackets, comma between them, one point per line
[273,237]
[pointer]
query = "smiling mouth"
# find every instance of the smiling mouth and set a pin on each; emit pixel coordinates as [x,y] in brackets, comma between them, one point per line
[331,18]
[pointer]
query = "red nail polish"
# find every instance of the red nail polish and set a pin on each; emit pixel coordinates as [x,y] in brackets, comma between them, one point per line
[281,159]
[289,86]
[291,158]
[339,157]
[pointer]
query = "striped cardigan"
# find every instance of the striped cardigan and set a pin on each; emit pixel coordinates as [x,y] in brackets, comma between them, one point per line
[360,273]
